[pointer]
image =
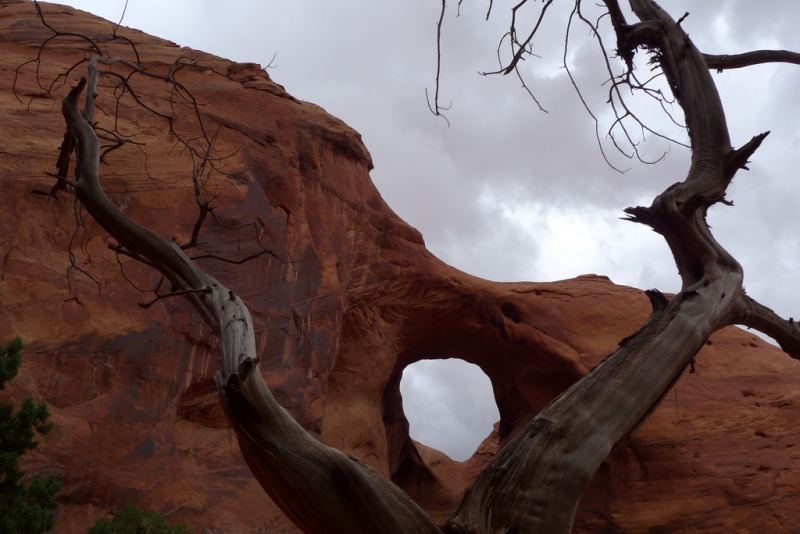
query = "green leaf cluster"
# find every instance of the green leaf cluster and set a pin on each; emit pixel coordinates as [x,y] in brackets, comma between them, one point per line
[24,508]
[132,520]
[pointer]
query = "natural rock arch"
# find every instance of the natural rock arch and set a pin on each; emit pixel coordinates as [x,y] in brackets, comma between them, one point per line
[532,340]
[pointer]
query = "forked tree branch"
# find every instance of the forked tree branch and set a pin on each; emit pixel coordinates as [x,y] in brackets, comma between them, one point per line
[535,483]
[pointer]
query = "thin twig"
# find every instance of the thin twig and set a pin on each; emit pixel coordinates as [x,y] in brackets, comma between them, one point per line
[436,108]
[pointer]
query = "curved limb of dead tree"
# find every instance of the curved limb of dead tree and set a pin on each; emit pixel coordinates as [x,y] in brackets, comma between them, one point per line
[319,488]
[535,482]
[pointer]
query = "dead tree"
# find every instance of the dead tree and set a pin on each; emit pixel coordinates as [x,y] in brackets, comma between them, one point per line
[535,482]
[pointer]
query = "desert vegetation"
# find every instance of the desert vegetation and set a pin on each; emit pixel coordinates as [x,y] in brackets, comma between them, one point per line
[26,503]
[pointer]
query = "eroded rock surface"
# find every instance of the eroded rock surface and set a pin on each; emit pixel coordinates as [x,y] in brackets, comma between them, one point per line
[349,297]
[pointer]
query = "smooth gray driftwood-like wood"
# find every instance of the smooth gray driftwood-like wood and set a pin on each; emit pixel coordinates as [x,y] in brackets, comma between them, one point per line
[535,483]
[321,489]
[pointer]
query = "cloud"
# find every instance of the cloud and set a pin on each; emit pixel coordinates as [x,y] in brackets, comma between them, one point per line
[445,403]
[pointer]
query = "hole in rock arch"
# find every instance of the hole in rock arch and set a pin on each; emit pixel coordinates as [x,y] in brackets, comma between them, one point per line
[449,405]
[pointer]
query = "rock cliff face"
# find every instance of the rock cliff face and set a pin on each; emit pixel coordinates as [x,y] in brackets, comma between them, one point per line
[348,299]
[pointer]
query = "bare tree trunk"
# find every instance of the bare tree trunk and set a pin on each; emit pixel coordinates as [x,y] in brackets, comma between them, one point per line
[535,483]
[319,488]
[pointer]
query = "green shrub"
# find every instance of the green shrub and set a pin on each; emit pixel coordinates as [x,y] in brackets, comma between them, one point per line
[24,508]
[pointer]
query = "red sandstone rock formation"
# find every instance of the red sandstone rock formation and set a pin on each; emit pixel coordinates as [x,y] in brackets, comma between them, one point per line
[351,298]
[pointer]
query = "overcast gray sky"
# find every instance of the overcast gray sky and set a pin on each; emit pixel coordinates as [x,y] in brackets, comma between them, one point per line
[508,192]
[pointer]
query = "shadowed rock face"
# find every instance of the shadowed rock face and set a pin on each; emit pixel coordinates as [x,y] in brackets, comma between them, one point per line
[348,299]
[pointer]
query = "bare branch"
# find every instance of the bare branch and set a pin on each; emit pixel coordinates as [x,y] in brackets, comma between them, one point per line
[755,315]
[739,158]
[527,90]
[159,296]
[121,18]
[80,36]
[523,48]
[748,59]
[580,95]
[252,256]
[436,109]
[61,183]
[318,487]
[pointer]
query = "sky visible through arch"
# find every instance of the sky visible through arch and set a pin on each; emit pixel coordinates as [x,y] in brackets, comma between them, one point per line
[508,192]
[447,407]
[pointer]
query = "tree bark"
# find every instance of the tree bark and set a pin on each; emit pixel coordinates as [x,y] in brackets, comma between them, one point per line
[535,483]
[319,488]
[747,59]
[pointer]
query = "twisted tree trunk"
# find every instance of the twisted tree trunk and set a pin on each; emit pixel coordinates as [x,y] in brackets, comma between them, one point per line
[318,487]
[535,483]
